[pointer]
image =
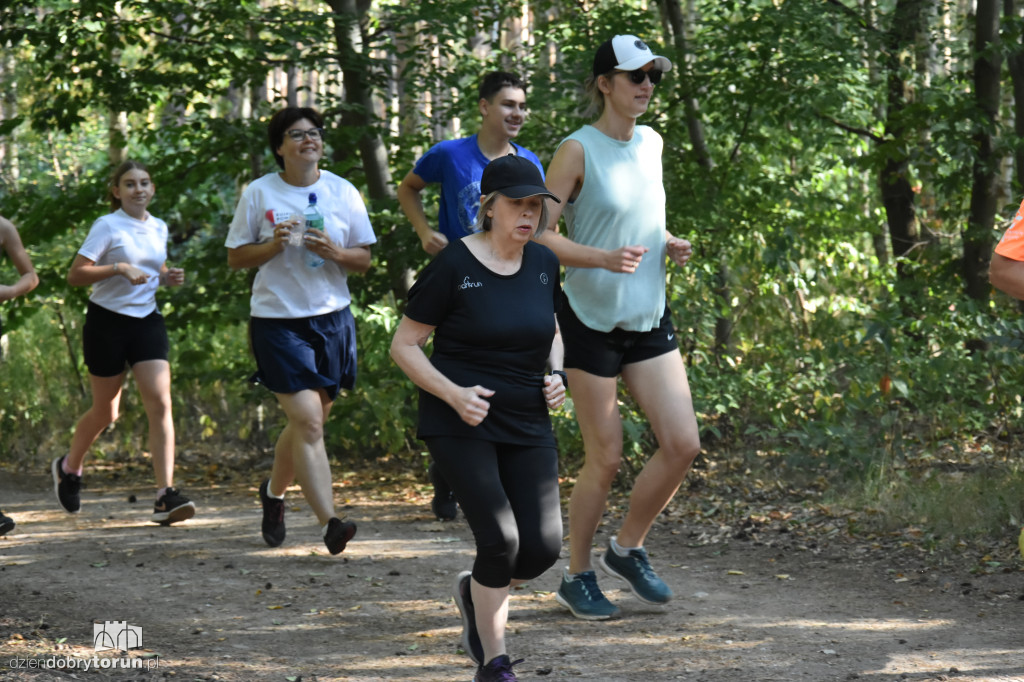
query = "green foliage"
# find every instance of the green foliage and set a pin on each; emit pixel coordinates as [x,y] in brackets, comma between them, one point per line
[825,364]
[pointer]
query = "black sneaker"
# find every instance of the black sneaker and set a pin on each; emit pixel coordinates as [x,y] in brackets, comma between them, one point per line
[66,486]
[443,505]
[338,534]
[499,669]
[6,524]
[172,507]
[273,516]
[470,641]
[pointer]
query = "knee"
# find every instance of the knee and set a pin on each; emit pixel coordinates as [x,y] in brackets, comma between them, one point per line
[604,467]
[309,427]
[533,561]
[496,561]
[683,448]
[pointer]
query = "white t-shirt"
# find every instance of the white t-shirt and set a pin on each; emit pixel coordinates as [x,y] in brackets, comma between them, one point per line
[285,287]
[120,238]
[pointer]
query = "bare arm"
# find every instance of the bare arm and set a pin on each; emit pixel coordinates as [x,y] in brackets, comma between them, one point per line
[407,351]
[84,272]
[11,241]
[564,180]
[554,389]
[356,259]
[410,198]
[1007,275]
[255,255]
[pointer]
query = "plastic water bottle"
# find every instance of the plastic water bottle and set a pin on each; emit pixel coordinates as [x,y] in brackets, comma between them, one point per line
[314,221]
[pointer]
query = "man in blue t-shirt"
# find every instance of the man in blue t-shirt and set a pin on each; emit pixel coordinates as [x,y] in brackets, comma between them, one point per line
[458,164]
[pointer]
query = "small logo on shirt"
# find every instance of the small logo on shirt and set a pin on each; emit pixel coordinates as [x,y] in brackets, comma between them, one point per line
[543,278]
[466,284]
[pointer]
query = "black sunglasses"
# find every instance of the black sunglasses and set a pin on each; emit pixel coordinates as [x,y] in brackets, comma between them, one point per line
[637,76]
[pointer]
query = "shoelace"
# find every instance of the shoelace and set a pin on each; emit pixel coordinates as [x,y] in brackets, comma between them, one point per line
[640,557]
[504,672]
[589,583]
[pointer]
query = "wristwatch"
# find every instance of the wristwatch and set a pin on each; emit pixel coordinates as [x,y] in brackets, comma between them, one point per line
[561,373]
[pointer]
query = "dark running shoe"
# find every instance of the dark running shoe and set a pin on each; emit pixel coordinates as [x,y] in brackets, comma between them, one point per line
[338,534]
[498,670]
[635,569]
[273,516]
[66,486]
[470,641]
[172,507]
[443,505]
[581,595]
[6,524]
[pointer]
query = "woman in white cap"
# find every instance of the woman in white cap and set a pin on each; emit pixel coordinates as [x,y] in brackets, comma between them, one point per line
[490,300]
[615,321]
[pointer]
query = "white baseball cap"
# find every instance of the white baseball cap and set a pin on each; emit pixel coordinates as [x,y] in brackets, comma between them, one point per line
[626,53]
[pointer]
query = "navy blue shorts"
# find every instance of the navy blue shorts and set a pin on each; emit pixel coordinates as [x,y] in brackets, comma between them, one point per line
[307,353]
[603,354]
[110,340]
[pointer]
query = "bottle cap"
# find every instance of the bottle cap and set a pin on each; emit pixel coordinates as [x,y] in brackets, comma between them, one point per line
[312,197]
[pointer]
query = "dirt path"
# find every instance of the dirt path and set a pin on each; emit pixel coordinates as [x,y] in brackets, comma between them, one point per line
[214,603]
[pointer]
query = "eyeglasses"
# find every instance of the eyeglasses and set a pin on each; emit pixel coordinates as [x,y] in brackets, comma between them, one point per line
[299,135]
[637,77]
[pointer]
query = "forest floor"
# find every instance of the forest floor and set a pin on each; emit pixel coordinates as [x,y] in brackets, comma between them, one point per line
[772,590]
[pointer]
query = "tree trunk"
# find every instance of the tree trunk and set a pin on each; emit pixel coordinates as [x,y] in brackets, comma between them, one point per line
[977,237]
[354,65]
[1016,62]
[894,177]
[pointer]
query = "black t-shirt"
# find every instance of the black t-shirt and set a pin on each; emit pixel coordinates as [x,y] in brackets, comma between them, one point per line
[492,330]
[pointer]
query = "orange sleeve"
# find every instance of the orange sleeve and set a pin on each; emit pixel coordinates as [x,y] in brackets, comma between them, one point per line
[1012,243]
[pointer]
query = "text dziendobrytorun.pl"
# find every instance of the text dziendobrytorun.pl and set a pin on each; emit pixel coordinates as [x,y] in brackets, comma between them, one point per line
[83,664]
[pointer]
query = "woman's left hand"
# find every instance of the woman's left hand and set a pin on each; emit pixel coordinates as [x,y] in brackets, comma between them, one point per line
[679,250]
[173,277]
[554,391]
[319,243]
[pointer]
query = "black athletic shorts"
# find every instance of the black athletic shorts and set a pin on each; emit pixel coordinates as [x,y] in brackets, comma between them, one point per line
[111,340]
[603,354]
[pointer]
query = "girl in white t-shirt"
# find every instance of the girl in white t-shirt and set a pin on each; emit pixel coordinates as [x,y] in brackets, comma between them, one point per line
[123,258]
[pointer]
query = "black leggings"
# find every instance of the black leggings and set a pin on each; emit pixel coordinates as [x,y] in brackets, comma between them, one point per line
[509,494]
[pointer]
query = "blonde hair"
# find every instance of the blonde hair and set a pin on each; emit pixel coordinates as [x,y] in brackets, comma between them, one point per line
[483,221]
[594,96]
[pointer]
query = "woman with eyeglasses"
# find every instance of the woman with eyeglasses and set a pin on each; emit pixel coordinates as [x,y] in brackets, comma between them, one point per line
[302,331]
[615,321]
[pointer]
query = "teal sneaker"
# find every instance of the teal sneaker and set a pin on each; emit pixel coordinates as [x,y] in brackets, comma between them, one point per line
[636,571]
[581,595]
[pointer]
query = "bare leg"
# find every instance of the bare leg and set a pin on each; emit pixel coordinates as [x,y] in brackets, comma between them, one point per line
[491,604]
[154,380]
[662,391]
[597,412]
[106,397]
[307,411]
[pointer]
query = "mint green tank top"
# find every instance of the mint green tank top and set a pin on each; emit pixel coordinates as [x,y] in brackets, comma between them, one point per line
[621,203]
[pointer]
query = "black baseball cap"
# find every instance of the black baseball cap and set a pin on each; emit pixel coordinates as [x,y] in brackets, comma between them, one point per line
[514,177]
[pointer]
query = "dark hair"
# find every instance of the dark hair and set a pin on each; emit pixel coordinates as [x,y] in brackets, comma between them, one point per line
[115,180]
[282,120]
[493,82]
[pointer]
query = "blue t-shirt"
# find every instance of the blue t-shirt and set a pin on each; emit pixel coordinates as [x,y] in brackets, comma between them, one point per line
[458,165]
